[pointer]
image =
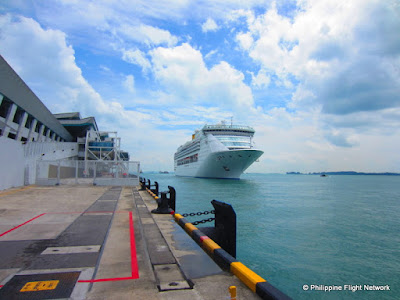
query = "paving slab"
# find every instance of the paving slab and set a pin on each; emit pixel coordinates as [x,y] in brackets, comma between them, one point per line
[109,237]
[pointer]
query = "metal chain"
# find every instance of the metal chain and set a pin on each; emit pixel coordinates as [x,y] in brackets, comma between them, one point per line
[199,213]
[203,221]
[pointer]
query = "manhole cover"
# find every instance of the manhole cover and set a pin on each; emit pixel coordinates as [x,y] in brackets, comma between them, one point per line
[39,286]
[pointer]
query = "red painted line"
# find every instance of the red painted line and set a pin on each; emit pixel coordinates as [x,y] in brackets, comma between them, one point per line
[4,233]
[134,263]
[87,212]
[65,213]
[108,279]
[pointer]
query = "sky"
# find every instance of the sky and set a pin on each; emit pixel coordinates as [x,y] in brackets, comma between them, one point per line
[319,80]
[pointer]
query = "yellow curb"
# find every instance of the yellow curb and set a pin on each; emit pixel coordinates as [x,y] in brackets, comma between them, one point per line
[247,276]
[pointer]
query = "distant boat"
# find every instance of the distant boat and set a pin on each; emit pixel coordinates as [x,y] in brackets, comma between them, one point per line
[164,172]
[323,175]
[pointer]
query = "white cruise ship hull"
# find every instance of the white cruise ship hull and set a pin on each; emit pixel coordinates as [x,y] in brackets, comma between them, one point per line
[228,164]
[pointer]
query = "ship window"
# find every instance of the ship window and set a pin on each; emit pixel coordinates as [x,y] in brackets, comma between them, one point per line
[232,141]
[188,160]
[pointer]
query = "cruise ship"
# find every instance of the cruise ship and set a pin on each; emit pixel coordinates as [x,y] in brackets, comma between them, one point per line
[217,151]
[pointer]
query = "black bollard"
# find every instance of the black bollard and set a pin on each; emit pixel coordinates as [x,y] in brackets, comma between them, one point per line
[148,184]
[224,230]
[162,205]
[155,190]
[172,198]
[142,182]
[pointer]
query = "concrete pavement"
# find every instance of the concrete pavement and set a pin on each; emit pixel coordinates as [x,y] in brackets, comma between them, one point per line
[91,242]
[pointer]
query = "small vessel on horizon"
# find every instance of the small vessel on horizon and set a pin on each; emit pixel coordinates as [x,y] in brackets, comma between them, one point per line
[217,151]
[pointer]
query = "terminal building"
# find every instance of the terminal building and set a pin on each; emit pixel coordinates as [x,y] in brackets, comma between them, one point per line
[31,134]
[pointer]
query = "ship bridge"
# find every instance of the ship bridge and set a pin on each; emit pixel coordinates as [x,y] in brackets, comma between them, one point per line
[234,137]
[223,128]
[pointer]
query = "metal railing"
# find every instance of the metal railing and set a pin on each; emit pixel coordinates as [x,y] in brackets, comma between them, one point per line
[225,127]
[119,173]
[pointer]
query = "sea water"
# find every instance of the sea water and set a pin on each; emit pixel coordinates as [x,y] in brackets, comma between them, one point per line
[313,237]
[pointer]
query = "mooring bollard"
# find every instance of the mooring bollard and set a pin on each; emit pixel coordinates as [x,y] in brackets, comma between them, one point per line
[142,182]
[162,205]
[149,186]
[224,230]
[155,190]
[172,198]
[166,205]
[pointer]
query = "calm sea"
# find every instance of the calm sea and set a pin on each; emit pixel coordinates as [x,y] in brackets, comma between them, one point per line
[297,230]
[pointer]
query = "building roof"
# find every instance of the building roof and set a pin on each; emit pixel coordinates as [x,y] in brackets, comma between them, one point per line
[68,116]
[78,127]
[15,89]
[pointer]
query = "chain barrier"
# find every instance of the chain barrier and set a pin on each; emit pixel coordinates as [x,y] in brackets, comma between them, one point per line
[199,213]
[203,221]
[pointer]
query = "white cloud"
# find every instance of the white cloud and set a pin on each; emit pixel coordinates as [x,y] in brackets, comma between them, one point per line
[129,83]
[333,50]
[149,35]
[245,40]
[137,57]
[210,54]
[209,25]
[182,70]
[261,80]
[303,141]
[48,66]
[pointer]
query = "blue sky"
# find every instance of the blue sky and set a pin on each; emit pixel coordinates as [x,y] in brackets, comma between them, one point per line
[318,80]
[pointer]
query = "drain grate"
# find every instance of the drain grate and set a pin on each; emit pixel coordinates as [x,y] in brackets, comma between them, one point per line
[170,277]
[72,249]
[40,286]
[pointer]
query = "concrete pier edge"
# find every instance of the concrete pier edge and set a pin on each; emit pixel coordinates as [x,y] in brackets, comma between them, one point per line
[227,262]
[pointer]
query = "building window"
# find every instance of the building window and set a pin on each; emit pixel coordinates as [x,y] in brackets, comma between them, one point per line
[12,135]
[5,107]
[38,124]
[23,139]
[45,130]
[18,115]
[29,121]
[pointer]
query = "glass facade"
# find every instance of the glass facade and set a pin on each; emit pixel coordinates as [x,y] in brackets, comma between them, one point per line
[235,141]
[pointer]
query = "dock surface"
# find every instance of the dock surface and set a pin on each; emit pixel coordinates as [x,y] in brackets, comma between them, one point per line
[99,242]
